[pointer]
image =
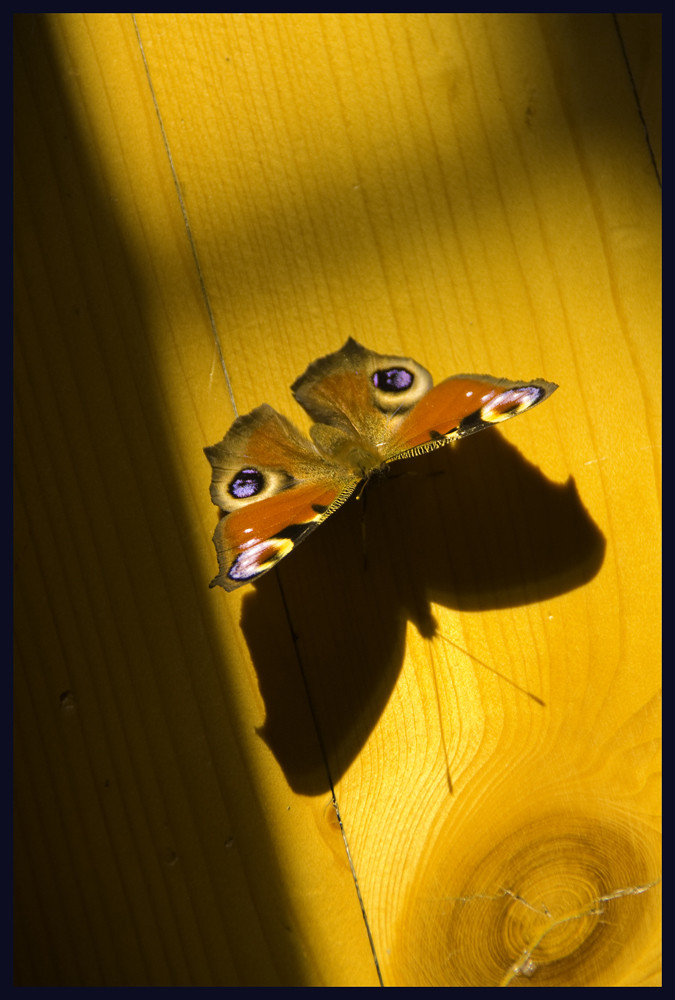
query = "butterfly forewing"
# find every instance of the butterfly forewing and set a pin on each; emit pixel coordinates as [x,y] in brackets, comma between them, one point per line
[251,540]
[462,405]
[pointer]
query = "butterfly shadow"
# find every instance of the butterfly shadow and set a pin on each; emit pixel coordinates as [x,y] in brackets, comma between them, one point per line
[469,528]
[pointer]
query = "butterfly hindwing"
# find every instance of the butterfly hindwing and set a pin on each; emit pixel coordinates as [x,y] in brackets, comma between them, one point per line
[360,392]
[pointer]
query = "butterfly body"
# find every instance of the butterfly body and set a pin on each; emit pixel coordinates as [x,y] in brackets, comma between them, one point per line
[274,486]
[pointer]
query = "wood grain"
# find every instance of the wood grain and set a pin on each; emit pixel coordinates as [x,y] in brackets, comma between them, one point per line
[461,683]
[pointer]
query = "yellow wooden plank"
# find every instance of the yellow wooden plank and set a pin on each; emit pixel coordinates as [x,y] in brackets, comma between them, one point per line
[641,41]
[157,852]
[475,191]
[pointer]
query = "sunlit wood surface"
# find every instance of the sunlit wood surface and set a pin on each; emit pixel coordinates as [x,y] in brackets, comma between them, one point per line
[473,665]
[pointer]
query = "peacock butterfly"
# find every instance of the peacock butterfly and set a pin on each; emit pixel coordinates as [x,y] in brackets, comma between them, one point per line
[274,487]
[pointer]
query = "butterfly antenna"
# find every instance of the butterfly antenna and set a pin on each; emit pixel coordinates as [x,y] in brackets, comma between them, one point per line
[434,674]
[393,414]
[364,548]
[493,670]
